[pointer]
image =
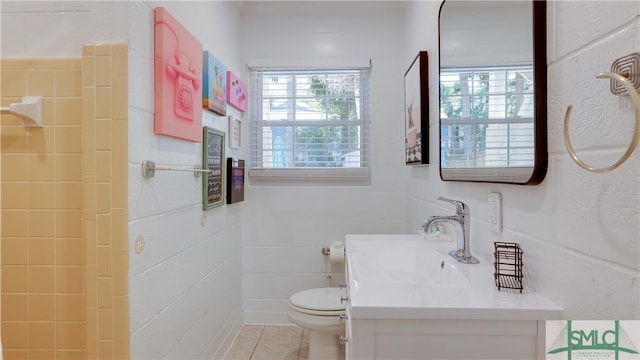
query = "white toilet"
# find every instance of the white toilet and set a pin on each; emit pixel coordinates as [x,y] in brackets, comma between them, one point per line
[318,311]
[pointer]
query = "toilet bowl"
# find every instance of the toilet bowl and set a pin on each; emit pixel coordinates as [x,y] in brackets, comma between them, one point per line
[318,311]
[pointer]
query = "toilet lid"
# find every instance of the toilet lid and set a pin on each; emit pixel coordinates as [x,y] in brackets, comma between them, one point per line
[323,299]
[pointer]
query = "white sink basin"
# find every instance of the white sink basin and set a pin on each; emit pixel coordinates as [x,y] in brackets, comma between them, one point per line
[404,276]
[405,262]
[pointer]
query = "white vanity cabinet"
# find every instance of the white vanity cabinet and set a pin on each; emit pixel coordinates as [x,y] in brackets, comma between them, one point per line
[393,313]
[445,339]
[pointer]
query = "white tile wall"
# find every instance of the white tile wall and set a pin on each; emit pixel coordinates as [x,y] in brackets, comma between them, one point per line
[186,286]
[50,29]
[287,227]
[579,231]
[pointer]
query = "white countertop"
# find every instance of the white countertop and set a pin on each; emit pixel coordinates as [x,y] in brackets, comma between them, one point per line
[408,277]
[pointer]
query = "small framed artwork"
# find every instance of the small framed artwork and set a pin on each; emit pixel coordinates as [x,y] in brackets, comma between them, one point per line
[416,111]
[236,92]
[213,161]
[235,132]
[214,85]
[235,180]
[177,74]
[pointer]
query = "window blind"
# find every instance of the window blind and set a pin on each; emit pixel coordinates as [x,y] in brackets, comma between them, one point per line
[309,126]
[487,117]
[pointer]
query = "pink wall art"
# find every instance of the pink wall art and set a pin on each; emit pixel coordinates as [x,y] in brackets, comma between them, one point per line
[236,92]
[214,89]
[178,74]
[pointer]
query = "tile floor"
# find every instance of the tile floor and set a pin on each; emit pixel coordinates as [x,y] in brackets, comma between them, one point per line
[270,342]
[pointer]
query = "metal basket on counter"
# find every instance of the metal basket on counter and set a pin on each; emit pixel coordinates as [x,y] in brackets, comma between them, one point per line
[508,265]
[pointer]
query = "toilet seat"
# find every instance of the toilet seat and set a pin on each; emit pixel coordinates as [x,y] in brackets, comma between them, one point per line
[321,301]
[316,312]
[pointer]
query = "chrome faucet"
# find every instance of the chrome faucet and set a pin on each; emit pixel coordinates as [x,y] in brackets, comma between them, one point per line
[461,224]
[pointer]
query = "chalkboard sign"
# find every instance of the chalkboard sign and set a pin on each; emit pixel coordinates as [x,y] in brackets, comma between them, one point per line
[212,160]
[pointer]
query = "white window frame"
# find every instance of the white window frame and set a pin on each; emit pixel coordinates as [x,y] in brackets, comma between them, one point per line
[300,176]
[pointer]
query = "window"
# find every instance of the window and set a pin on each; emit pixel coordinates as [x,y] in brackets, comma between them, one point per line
[487,117]
[309,127]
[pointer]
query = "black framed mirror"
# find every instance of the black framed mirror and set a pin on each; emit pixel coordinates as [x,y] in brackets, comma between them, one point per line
[493,91]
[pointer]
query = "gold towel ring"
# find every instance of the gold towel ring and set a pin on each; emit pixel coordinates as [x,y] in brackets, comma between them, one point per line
[635,98]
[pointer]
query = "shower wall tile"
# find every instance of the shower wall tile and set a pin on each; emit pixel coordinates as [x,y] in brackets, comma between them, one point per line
[69,355]
[41,167]
[66,139]
[102,49]
[15,335]
[54,181]
[69,335]
[69,279]
[14,83]
[15,279]
[69,251]
[41,195]
[42,251]
[15,223]
[42,335]
[68,223]
[42,279]
[14,140]
[88,111]
[14,251]
[42,223]
[66,83]
[48,115]
[42,307]
[69,195]
[13,195]
[40,82]
[103,103]
[15,307]
[42,141]
[103,71]
[105,132]
[67,111]
[15,167]
[68,167]
[103,173]
[69,307]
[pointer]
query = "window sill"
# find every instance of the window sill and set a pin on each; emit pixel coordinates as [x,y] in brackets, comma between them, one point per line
[310,177]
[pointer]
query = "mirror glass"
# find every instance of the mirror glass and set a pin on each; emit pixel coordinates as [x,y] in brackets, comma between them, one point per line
[493,91]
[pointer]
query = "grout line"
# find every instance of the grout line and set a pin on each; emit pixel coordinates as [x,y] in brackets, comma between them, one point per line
[255,346]
[300,344]
[602,38]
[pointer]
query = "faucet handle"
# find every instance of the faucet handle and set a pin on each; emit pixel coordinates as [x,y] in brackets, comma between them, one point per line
[460,207]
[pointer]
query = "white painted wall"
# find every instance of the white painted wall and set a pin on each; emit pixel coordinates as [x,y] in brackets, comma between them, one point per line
[59,28]
[580,231]
[467,25]
[287,226]
[185,288]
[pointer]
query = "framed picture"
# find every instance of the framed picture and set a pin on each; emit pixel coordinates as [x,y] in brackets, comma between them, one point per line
[236,92]
[235,132]
[212,160]
[416,111]
[214,85]
[177,74]
[235,180]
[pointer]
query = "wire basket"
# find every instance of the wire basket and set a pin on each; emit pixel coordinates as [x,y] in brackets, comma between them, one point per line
[508,265]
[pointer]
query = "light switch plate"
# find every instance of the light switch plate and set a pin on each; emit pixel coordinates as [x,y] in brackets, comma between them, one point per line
[495,212]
